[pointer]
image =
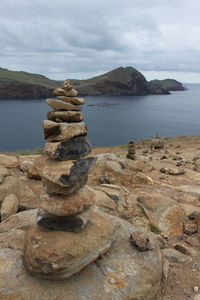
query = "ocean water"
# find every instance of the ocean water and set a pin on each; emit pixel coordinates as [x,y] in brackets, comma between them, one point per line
[121,118]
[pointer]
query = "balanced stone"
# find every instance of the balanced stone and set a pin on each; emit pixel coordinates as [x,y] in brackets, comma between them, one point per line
[64,173]
[63,206]
[58,255]
[62,92]
[50,128]
[71,149]
[58,104]
[64,131]
[54,188]
[73,223]
[131,150]
[66,116]
[67,85]
[72,100]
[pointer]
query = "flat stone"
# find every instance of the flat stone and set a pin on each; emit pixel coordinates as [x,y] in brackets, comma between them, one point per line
[176,257]
[64,173]
[75,223]
[53,188]
[73,251]
[74,148]
[176,171]
[64,206]
[66,131]
[72,100]
[58,104]
[63,92]
[65,116]
[9,206]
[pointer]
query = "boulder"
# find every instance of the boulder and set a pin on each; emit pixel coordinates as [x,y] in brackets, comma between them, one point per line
[61,105]
[73,251]
[74,223]
[9,206]
[65,116]
[66,131]
[71,149]
[63,206]
[63,92]
[165,214]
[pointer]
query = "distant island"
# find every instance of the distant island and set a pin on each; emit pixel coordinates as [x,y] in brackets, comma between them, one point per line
[121,81]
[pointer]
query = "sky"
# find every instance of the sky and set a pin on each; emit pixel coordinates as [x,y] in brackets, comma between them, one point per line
[83,38]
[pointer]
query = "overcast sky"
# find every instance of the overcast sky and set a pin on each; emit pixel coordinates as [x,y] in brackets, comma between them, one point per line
[82,38]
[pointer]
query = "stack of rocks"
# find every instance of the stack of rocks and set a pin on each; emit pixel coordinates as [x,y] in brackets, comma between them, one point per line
[131,150]
[56,248]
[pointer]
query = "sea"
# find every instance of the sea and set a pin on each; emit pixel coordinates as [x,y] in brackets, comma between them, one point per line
[110,120]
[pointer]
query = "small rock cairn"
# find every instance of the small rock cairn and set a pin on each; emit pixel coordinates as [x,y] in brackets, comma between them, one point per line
[61,244]
[131,149]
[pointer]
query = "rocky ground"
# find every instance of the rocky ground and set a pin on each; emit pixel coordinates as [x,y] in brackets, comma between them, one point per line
[153,203]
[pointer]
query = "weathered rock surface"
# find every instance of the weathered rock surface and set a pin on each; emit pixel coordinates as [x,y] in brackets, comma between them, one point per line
[137,165]
[65,116]
[71,149]
[62,105]
[163,213]
[22,220]
[65,131]
[27,191]
[74,223]
[123,273]
[9,161]
[9,206]
[73,251]
[64,206]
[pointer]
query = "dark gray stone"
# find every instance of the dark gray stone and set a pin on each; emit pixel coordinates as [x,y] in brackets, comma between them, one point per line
[73,223]
[74,148]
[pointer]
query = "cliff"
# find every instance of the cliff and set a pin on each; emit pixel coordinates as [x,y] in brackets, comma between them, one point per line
[121,81]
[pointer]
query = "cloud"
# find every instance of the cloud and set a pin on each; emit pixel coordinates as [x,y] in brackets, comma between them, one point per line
[62,38]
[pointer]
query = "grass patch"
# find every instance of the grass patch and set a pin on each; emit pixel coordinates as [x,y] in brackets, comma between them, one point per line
[37,151]
[154,229]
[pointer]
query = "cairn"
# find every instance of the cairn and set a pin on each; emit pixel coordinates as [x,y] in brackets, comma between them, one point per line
[131,150]
[68,235]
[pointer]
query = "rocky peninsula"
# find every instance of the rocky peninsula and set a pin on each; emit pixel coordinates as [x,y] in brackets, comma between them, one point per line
[121,81]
